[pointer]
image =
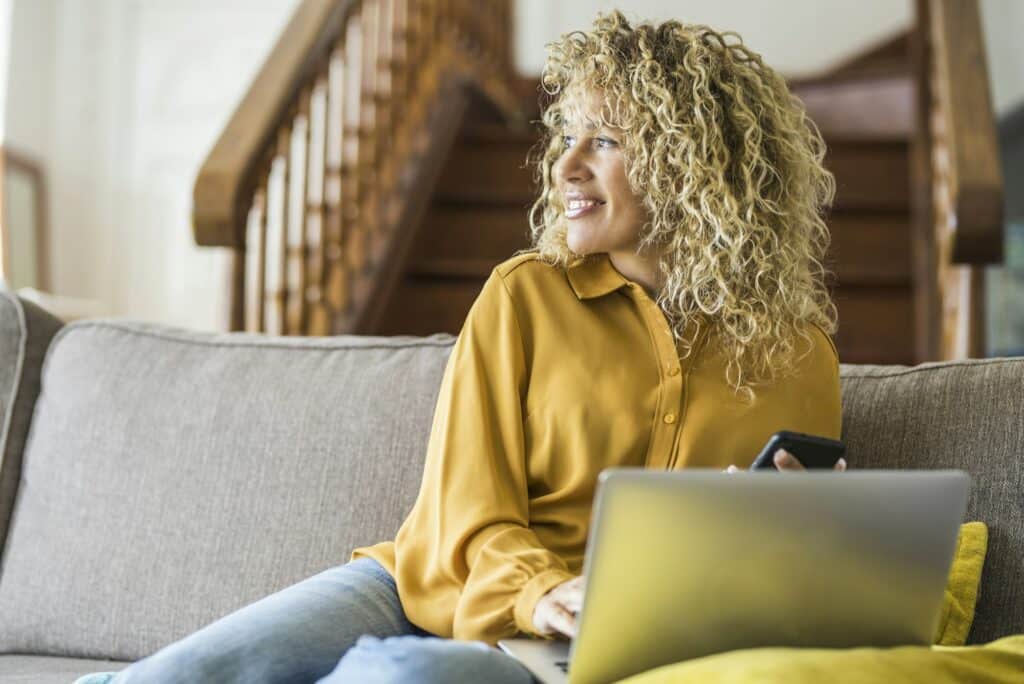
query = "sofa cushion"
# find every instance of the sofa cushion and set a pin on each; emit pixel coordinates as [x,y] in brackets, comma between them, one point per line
[172,477]
[28,669]
[961,593]
[967,415]
[25,333]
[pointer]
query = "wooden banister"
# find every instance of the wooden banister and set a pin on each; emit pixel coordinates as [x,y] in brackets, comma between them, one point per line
[958,188]
[331,153]
[969,136]
[221,194]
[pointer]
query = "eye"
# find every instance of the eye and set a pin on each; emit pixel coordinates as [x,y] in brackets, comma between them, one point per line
[606,142]
[567,141]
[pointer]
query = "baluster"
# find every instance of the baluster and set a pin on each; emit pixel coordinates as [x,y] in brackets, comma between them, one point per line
[295,303]
[369,217]
[313,282]
[277,219]
[255,253]
[384,150]
[336,294]
[353,233]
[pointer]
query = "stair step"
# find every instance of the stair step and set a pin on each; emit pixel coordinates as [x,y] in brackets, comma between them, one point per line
[423,306]
[870,249]
[469,232]
[863,107]
[871,175]
[876,324]
[867,248]
[454,269]
[488,169]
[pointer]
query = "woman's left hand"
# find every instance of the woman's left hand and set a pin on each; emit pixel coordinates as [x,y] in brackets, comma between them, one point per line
[786,461]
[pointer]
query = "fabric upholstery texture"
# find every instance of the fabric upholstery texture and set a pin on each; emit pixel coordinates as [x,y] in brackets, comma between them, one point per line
[25,334]
[172,477]
[34,669]
[965,415]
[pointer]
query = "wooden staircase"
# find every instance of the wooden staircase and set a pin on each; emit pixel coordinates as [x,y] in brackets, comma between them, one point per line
[886,131]
[478,214]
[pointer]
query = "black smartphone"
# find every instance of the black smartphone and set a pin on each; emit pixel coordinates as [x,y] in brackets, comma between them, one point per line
[810,450]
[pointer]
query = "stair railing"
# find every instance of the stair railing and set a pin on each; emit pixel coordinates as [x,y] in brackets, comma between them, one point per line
[958,195]
[329,156]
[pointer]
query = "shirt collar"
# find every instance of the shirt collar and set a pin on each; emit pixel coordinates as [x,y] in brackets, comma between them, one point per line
[594,275]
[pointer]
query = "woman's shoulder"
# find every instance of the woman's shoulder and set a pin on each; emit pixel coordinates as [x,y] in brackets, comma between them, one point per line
[528,269]
[822,341]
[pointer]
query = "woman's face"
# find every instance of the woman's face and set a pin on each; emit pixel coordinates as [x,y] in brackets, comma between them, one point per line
[603,213]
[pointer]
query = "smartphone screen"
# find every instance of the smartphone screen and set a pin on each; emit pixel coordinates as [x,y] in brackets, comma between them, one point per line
[812,451]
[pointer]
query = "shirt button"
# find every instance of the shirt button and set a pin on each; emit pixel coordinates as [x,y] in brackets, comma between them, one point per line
[670,418]
[674,370]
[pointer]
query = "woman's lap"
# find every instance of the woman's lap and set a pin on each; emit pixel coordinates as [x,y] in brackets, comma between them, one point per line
[301,633]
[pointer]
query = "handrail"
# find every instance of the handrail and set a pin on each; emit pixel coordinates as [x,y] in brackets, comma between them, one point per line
[958,187]
[313,172]
[968,128]
[220,188]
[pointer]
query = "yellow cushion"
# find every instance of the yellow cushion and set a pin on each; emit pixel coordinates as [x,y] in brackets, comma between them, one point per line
[997,662]
[962,586]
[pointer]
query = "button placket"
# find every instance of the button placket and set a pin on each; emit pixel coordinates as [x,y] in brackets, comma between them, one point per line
[669,373]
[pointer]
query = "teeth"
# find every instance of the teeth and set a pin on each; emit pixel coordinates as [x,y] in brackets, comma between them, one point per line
[580,204]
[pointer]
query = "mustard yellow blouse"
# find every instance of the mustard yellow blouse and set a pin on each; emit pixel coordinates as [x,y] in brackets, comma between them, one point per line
[556,375]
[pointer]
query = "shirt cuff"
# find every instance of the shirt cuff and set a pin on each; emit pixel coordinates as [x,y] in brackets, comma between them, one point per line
[531,593]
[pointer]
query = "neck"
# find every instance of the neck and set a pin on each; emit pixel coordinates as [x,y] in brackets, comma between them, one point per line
[639,268]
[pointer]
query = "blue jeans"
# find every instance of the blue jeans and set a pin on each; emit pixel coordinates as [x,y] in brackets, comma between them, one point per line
[345,624]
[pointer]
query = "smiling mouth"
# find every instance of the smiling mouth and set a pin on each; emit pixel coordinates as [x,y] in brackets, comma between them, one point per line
[577,208]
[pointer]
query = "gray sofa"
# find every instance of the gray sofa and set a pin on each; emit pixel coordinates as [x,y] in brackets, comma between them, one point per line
[154,479]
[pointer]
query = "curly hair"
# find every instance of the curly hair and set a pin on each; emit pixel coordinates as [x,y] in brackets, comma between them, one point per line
[730,171]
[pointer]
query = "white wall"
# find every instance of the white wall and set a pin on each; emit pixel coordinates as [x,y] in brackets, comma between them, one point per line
[5,49]
[1002,22]
[122,99]
[796,37]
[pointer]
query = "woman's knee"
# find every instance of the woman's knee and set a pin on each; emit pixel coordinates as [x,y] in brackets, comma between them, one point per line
[426,659]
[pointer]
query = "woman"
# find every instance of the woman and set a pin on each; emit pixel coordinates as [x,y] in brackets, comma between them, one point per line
[672,314]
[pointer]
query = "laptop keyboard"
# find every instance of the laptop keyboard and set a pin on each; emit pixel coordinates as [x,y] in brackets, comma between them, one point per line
[562,665]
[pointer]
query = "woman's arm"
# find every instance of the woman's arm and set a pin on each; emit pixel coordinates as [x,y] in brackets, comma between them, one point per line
[468,564]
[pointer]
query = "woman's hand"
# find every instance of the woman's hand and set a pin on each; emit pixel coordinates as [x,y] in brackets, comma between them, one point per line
[786,461]
[556,611]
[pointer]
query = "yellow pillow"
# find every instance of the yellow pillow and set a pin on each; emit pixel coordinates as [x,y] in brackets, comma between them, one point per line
[962,586]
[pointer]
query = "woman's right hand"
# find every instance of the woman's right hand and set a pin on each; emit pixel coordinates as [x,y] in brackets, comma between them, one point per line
[556,610]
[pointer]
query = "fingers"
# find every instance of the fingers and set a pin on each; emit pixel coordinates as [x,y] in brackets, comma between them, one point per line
[563,621]
[786,461]
[570,594]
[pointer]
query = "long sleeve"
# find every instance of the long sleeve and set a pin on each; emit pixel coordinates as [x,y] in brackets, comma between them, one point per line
[468,565]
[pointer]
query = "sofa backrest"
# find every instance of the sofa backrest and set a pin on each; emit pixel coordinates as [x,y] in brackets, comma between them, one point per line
[965,415]
[25,334]
[171,477]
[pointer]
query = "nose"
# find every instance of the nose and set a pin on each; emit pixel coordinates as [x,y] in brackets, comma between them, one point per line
[572,166]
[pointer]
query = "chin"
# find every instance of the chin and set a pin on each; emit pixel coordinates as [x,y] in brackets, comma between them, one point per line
[581,247]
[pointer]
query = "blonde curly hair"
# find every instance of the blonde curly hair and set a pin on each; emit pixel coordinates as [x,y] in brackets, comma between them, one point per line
[730,170]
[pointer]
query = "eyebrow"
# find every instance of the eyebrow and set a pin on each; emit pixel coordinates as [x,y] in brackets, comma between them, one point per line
[590,125]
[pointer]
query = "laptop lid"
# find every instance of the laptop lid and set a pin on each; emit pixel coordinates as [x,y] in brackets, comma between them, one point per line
[685,564]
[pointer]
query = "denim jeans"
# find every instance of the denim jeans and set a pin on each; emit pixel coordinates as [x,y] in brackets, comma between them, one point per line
[345,624]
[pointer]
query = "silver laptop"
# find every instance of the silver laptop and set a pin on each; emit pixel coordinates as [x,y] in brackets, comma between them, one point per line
[681,565]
